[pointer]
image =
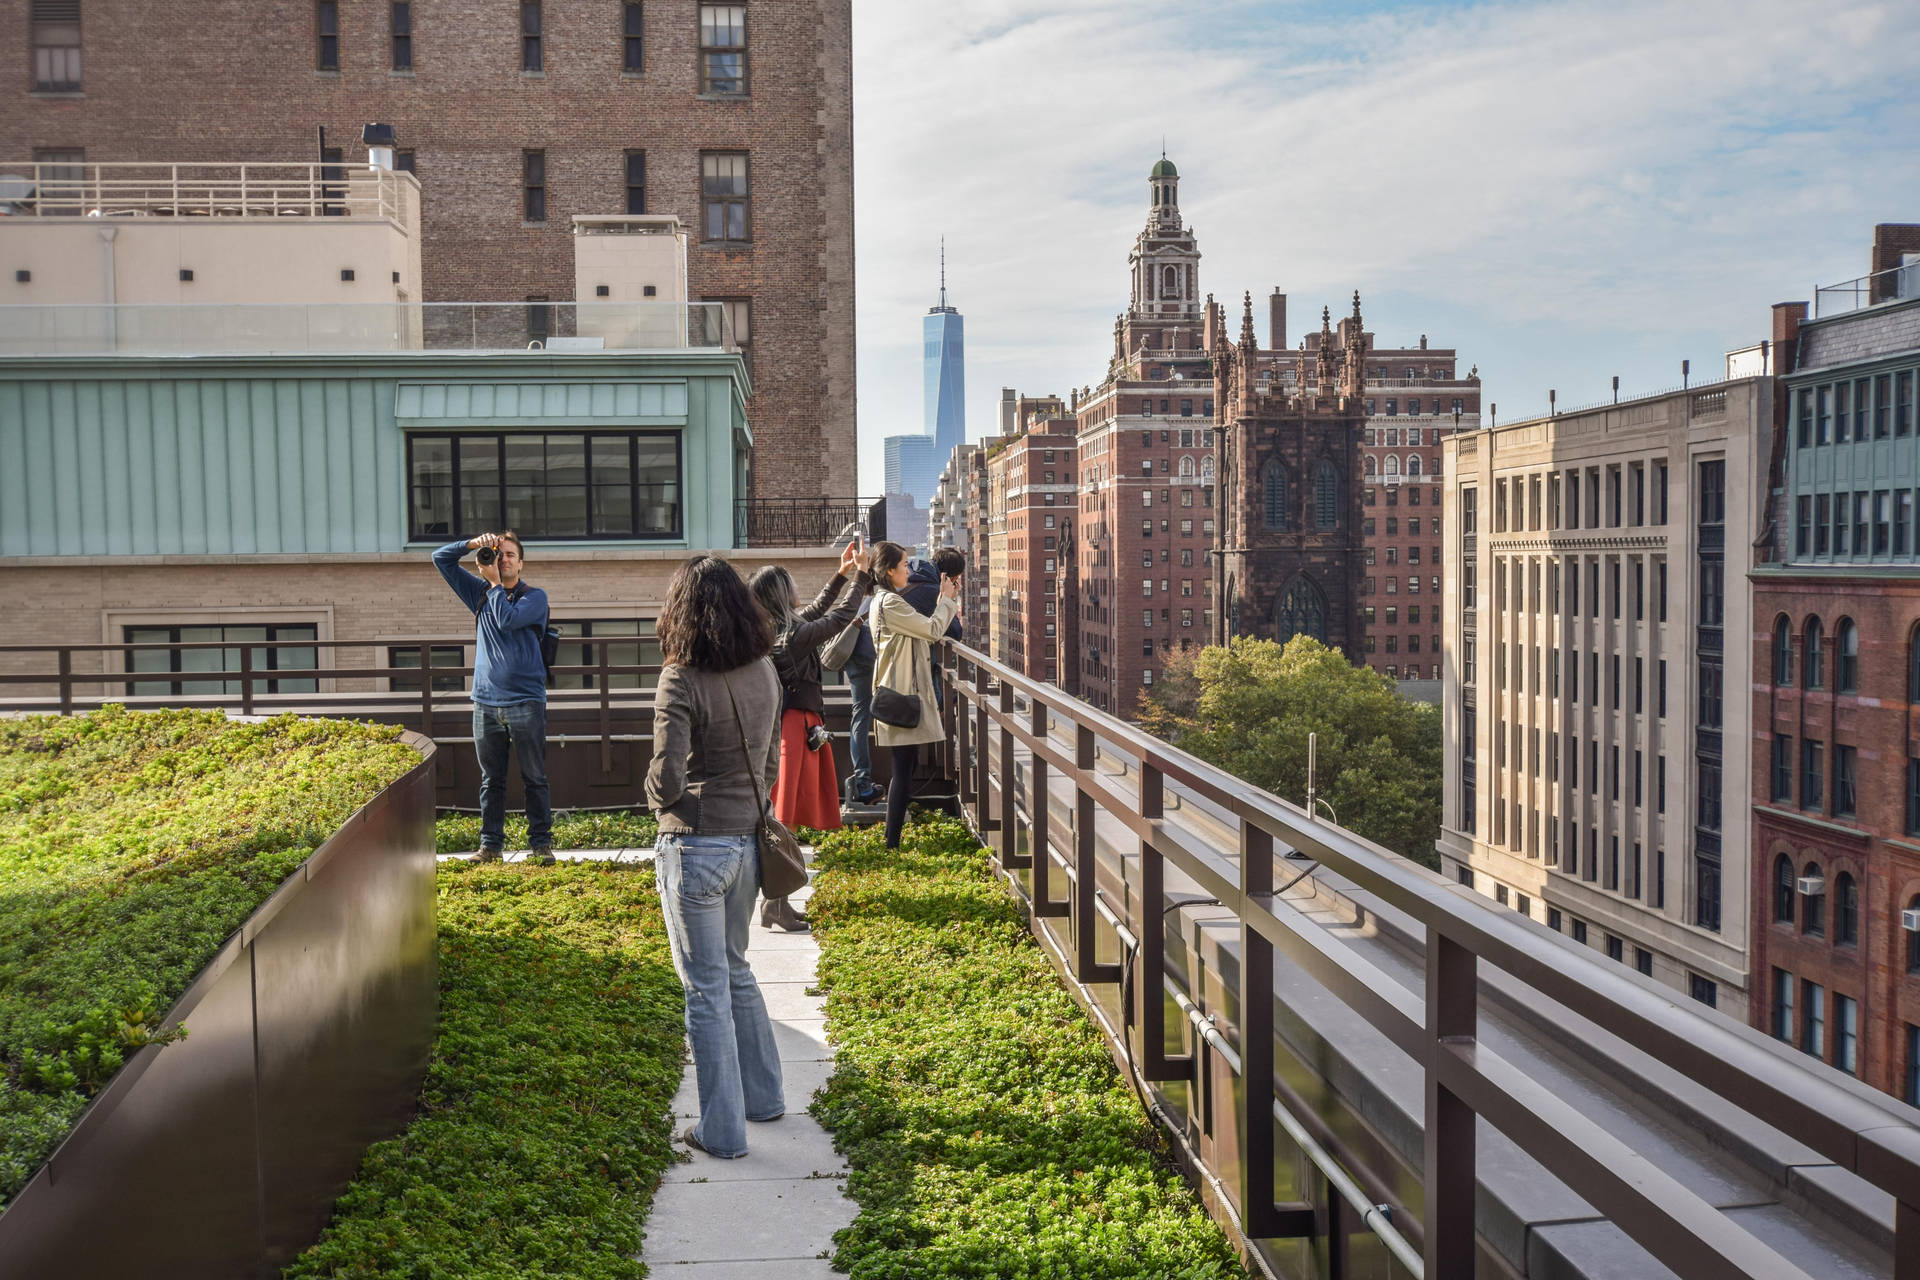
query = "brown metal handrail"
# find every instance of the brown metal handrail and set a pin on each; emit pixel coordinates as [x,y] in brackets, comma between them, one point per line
[1464,1079]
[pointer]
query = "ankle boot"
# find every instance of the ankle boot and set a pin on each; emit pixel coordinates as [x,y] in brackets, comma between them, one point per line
[778,913]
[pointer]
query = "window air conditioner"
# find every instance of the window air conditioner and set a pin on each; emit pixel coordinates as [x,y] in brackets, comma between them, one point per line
[1811,886]
[1910,920]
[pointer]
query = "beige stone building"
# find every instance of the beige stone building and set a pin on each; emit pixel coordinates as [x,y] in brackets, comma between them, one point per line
[1596,656]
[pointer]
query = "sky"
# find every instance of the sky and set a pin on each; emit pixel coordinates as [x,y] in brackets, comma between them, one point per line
[1564,191]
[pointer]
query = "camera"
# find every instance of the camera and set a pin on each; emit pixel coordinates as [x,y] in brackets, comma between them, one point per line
[487,555]
[817,737]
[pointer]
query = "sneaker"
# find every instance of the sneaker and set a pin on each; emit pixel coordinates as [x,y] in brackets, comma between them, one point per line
[487,855]
[542,855]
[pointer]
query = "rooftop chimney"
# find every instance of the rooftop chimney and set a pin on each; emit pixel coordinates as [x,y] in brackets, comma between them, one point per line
[1277,320]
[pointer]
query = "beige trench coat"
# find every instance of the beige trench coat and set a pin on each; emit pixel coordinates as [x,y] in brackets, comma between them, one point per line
[903,661]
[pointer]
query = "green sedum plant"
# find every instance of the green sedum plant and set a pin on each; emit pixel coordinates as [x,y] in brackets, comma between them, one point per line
[460,832]
[132,844]
[543,1125]
[987,1130]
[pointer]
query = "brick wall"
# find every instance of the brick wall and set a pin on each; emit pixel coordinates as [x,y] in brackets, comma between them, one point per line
[231,80]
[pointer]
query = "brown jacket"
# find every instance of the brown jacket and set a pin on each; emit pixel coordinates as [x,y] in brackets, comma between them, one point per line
[698,783]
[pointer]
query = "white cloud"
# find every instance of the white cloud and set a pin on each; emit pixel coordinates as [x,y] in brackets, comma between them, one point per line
[1564,191]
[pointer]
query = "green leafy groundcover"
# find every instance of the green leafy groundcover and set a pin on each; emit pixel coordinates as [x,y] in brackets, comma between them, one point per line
[988,1132]
[544,1119]
[460,832]
[131,845]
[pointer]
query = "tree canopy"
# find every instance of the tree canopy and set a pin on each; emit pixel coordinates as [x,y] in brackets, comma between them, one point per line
[1248,708]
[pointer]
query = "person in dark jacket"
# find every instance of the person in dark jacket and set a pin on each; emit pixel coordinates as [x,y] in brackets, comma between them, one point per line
[806,793]
[923,583]
[509,686]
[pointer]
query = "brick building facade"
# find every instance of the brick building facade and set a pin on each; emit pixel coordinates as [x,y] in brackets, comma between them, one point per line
[1033,598]
[736,117]
[1835,640]
[1290,556]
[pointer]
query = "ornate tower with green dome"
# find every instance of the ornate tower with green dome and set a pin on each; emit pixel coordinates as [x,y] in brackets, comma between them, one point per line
[1161,327]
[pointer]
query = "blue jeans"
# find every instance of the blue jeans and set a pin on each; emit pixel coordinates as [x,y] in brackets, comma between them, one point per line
[859,673]
[707,889]
[521,726]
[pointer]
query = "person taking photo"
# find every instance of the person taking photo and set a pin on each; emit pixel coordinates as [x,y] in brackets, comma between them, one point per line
[903,640]
[509,685]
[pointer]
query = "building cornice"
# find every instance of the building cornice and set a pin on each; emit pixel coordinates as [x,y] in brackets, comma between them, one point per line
[1793,817]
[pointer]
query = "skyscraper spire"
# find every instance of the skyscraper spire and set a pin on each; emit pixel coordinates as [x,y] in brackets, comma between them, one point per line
[943,273]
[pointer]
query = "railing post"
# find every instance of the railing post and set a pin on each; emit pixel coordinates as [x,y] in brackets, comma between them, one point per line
[1450,1170]
[1150,974]
[66,682]
[606,708]
[1009,786]
[983,769]
[426,691]
[1040,813]
[1906,1241]
[963,732]
[246,680]
[1263,1218]
[1086,857]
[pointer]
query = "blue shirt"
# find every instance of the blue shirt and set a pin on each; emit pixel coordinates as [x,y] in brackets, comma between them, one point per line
[506,664]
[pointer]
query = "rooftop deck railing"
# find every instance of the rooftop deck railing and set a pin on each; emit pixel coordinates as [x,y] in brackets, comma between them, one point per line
[1013,741]
[805,522]
[87,329]
[66,189]
[1895,284]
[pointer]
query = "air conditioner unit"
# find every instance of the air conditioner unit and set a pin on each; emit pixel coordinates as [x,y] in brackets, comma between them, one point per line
[1811,886]
[1910,920]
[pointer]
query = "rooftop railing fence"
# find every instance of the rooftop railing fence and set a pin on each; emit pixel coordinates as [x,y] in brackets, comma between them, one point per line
[1896,284]
[71,189]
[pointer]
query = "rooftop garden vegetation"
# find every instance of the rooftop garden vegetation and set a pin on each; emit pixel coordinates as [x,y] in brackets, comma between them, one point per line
[132,844]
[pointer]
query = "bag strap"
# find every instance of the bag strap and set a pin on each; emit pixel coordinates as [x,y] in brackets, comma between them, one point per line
[753,771]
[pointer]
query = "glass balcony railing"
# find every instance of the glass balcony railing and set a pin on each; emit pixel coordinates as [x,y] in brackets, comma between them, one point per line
[1894,285]
[361,327]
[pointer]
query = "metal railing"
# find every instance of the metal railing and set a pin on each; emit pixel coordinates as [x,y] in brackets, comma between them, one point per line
[1892,285]
[805,522]
[64,189]
[1019,748]
[360,327]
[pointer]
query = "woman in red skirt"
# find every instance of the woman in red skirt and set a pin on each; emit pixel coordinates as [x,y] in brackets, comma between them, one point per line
[806,794]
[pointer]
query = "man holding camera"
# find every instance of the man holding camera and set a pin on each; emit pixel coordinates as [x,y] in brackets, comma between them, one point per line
[509,685]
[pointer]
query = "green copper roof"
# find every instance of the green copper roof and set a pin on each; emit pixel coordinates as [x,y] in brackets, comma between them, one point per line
[1164,169]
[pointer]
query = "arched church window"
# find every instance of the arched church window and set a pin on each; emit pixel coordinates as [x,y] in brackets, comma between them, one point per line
[1372,466]
[1186,468]
[1302,611]
[1206,471]
[1170,280]
[1273,478]
[1326,496]
[1413,465]
[1393,464]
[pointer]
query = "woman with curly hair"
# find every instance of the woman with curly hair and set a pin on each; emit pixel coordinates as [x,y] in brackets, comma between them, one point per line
[716,717]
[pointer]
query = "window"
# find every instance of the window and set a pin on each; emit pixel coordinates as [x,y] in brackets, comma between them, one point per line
[1783,653]
[723,49]
[1782,773]
[1273,480]
[439,655]
[403,160]
[1326,496]
[1813,906]
[179,662]
[1813,1031]
[1705,990]
[1913,796]
[1846,657]
[724,195]
[1843,781]
[326,27]
[1783,1005]
[549,486]
[1846,911]
[1903,403]
[1580,932]
[531,58]
[1846,1034]
[1812,772]
[60,175]
[533,179]
[1813,661]
[633,39]
[636,182]
[1783,890]
[400,31]
[632,645]
[1643,960]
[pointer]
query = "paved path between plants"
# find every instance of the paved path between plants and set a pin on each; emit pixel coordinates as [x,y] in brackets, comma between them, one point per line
[772,1214]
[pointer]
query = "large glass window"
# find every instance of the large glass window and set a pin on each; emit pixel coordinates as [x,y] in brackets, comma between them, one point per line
[555,485]
[1783,890]
[641,650]
[724,196]
[1783,653]
[723,49]
[1846,911]
[56,45]
[1813,665]
[172,665]
[439,655]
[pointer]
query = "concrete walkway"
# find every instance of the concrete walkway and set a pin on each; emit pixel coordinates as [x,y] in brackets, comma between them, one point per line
[770,1215]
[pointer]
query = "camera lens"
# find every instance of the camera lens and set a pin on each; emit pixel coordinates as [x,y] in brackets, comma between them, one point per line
[487,555]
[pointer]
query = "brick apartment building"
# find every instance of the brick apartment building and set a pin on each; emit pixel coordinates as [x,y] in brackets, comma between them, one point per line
[1146,471]
[736,117]
[1835,639]
[1290,557]
[1032,598]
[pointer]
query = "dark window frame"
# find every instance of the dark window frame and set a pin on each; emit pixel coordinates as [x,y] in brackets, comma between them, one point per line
[533,185]
[633,39]
[57,45]
[726,201]
[533,52]
[270,656]
[326,35]
[636,190]
[455,498]
[400,35]
[398,655]
[740,80]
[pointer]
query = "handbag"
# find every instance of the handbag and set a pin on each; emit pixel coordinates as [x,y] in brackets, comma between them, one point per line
[783,867]
[837,652]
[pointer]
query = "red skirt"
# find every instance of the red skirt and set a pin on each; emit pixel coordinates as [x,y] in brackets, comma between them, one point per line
[807,793]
